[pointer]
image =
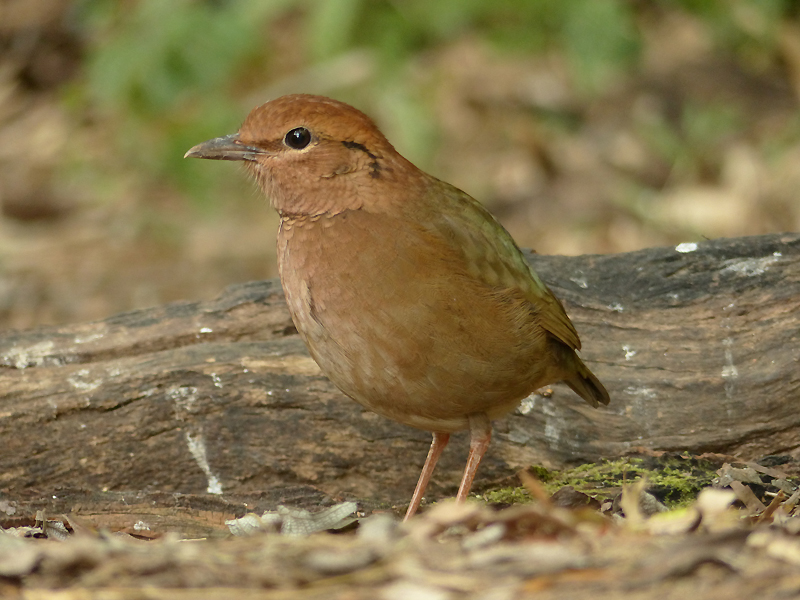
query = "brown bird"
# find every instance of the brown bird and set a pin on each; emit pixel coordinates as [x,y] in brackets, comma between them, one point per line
[410,296]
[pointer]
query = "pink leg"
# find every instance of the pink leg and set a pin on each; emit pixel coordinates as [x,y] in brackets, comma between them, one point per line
[480,434]
[439,442]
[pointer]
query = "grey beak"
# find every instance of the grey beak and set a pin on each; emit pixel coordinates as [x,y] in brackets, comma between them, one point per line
[227,147]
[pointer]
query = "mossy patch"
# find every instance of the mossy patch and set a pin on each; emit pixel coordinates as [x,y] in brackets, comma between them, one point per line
[675,479]
[508,496]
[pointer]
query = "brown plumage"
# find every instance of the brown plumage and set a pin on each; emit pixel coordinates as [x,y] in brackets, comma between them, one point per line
[410,296]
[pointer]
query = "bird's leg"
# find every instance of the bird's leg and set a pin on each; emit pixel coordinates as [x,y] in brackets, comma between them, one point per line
[437,445]
[480,434]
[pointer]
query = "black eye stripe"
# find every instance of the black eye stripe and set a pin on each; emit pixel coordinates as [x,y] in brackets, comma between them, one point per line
[298,138]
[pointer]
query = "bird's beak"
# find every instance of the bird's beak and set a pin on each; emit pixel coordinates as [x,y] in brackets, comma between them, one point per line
[227,147]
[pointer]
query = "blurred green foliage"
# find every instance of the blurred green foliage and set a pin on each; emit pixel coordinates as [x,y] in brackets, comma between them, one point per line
[598,35]
[166,75]
[694,145]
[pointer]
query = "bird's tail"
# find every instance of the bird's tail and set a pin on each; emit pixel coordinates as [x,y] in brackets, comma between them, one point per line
[584,383]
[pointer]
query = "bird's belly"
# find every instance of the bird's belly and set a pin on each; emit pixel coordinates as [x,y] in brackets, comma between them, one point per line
[429,372]
[403,374]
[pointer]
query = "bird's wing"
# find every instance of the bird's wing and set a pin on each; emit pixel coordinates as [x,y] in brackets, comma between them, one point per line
[493,256]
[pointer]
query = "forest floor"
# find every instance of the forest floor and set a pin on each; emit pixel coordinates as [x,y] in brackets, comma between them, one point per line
[738,538]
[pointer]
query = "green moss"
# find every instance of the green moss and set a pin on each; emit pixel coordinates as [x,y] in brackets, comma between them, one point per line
[509,495]
[673,478]
[540,473]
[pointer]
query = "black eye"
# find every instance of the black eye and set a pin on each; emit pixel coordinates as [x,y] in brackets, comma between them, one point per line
[298,138]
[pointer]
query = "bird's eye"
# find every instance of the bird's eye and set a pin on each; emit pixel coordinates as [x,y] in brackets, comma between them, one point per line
[298,138]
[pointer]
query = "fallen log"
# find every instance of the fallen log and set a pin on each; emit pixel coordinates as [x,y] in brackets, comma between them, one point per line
[699,347]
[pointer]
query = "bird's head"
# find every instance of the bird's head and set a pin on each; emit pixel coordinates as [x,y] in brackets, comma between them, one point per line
[312,155]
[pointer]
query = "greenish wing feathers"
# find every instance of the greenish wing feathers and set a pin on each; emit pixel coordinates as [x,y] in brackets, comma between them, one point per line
[516,271]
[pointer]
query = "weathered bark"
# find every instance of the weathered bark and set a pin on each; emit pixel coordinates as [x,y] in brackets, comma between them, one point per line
[699,351]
